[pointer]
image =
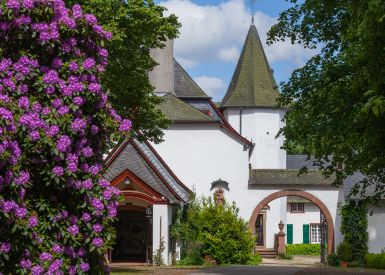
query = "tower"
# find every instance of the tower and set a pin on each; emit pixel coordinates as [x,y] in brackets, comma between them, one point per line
[250,105]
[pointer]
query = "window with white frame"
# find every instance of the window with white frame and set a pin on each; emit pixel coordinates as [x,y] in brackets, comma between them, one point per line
[315,233]
[297,207]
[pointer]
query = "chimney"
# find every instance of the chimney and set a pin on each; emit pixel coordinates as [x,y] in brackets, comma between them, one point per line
[162,76]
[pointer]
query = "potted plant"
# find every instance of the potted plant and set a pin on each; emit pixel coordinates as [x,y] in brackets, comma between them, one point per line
[344,253]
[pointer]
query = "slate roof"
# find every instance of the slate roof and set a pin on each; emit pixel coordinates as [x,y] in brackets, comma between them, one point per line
[184,85]
[177,110]
[160,167]
[288,177]
[253,83]
[299,161]
[128,157]
[203,104]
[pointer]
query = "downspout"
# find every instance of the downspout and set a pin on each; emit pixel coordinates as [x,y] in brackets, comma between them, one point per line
[240,120]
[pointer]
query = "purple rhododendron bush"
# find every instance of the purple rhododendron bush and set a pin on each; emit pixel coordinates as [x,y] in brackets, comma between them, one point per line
[56,211]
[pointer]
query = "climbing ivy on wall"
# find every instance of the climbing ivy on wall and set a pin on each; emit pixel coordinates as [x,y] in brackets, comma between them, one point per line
[354,225]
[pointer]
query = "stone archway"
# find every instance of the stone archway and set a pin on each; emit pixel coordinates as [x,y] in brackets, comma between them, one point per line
[302,194]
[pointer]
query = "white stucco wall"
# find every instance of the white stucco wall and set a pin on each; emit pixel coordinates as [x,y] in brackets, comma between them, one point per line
[275,214]
[376,222]
[261,126]
[200,154]
[311,215]
[161,219]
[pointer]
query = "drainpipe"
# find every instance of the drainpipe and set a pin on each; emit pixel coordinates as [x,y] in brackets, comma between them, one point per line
[240,120]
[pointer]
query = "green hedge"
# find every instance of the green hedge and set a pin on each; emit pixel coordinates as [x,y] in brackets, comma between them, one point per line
[304,249]
[375,260]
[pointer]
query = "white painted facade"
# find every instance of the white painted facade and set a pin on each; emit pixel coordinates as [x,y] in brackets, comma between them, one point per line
[311,215]
[161,219]
[200,153]
[261,126]
[376,222]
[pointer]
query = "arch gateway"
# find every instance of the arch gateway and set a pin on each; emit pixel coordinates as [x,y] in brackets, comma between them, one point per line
[297,193]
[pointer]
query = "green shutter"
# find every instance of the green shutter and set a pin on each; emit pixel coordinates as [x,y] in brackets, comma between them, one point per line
[289,233]
[306,233]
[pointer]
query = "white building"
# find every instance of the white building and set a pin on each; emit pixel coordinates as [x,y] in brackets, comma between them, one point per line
[234,141]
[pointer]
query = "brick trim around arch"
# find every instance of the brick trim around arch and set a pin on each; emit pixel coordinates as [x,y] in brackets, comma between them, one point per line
[302,194]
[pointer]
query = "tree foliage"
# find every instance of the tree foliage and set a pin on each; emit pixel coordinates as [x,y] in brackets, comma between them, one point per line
[138,26]
[216,230]
[337,100]
[56,211]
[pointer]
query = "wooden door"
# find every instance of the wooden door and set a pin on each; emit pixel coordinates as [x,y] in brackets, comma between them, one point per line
[259,230]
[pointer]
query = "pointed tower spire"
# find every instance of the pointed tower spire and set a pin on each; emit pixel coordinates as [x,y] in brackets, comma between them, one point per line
[253,84]
[252,11]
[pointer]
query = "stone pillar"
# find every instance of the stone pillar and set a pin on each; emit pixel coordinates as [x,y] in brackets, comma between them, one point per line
[160,230]
[281,239]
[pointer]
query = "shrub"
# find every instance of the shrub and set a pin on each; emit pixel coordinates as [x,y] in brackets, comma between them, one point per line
[354,264]
[333,260]
[56,211]
[192,255]
[285,256]
[255,259]
[304,249]
[224,236]
[343,251]
[375,260]
[354,225]
[371,259]
[157,257]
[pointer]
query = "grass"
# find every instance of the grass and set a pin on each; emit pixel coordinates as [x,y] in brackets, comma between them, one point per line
[169,270]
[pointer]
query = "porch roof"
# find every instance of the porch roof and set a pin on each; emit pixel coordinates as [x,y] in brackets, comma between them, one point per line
[288,177]
[141,160]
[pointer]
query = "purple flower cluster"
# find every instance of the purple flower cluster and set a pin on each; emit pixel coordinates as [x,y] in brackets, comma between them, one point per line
[33,221]
[5,248]
[73,230]
[55,119]
[98,242]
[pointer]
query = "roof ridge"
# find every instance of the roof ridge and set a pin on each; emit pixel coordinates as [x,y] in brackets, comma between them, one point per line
[199,92]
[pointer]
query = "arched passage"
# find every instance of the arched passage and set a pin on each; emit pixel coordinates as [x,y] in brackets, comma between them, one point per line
[301,194]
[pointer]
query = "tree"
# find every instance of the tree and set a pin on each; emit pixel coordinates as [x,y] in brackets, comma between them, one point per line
[216,230]
[56,211]
[138,26]
[337,100]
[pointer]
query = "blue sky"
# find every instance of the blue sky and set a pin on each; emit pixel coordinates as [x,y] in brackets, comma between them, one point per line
[213,33]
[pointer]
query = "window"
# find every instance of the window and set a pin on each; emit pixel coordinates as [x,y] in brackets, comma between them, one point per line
[297,207]
[315,233]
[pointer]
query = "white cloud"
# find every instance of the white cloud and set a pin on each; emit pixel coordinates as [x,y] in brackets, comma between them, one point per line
[217,33]
[213,86]
[229,54]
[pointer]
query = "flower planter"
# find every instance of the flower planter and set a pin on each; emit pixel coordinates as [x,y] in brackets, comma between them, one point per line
[344,264]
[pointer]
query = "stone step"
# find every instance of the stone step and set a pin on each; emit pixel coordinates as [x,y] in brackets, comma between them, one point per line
[266,252]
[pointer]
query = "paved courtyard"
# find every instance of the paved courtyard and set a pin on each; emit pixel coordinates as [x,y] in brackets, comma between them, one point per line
[242,270]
